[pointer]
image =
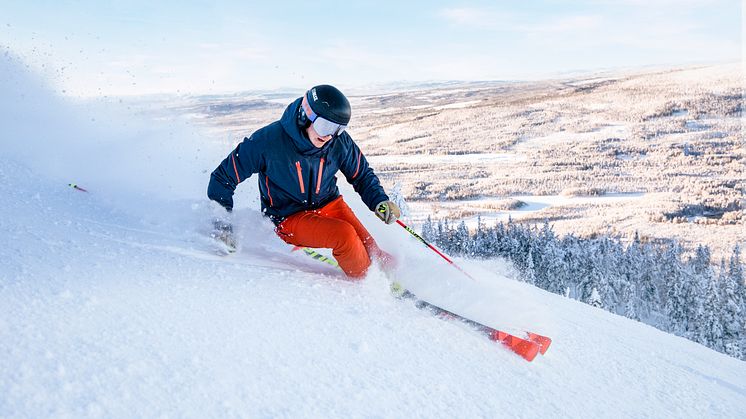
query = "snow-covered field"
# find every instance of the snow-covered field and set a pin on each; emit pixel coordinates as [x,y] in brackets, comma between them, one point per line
[113,304]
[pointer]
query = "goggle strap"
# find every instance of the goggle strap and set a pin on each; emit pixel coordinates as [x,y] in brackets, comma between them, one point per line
[307,109]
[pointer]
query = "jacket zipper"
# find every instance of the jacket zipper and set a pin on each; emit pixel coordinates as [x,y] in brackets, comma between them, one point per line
[300,177]
[318,178]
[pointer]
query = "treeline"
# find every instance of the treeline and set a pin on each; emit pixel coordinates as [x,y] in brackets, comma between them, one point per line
[652,282]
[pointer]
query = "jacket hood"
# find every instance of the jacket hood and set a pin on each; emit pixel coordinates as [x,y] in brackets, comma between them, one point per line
[301,142]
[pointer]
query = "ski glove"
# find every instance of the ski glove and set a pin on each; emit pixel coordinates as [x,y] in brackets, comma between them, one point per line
[223,231]
[388,212]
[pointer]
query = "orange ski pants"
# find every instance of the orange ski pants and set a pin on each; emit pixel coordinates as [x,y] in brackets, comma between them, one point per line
[333,226]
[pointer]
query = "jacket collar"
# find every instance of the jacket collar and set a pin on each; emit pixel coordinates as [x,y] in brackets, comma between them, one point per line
[302,144]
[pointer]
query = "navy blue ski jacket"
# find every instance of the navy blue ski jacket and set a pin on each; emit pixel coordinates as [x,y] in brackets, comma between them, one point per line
[294,175]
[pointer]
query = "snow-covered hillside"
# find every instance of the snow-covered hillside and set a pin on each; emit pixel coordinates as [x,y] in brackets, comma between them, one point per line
[113,304]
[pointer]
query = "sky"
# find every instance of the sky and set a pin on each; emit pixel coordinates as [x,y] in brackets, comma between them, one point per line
[132,47]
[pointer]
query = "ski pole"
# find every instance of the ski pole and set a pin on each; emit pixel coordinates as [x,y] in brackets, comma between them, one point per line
[417,236]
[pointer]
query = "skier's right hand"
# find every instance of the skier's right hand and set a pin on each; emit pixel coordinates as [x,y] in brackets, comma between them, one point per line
[223,231]
[222,226]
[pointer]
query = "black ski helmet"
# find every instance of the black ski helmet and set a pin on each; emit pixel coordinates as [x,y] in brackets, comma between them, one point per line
[327,102]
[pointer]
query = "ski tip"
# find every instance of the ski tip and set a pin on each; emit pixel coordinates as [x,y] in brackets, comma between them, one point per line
[524,348]
[528,351]
[543,341]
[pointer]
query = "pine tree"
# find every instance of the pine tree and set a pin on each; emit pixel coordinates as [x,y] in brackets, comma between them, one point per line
[613,286]
[632,269]
[735,268]
[700,279]
[519,246]
[650,286]
[732,316]
[593,279]
[631,302]
[594,299]
[556,268]
[710,329]
[695,309]
[484,246]
[735,273]
[676,289]
[462,240]
[428,231]
[572,261]
[441,240]
[529,273]
[702,260]
[542,259]
[501,240]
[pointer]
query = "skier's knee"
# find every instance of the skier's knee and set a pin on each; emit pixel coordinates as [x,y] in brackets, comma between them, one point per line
[350,253]
[345,236]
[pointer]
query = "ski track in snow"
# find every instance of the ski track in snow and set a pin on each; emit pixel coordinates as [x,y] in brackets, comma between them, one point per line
[104,314]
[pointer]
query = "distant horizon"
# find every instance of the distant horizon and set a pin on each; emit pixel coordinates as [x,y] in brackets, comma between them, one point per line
[91,49]
[399,85]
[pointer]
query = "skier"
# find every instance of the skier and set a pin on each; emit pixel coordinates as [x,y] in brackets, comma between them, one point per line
[297,159]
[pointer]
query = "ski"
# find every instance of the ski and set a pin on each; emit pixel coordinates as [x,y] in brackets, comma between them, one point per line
[526,348]
[316,255]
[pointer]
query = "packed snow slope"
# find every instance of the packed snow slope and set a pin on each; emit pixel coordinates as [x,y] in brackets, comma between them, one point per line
[113,303]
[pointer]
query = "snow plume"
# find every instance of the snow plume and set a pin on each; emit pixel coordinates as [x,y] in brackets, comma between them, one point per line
[101,144]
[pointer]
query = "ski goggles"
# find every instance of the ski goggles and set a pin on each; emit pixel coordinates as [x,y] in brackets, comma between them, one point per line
[321,125]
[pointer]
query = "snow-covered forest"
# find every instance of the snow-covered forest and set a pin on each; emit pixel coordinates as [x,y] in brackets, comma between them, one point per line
[651,282]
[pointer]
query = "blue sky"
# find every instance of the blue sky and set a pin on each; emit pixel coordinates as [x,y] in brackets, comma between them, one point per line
[90,48]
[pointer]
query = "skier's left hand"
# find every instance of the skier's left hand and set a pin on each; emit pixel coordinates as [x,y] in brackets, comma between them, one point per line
[388,212]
